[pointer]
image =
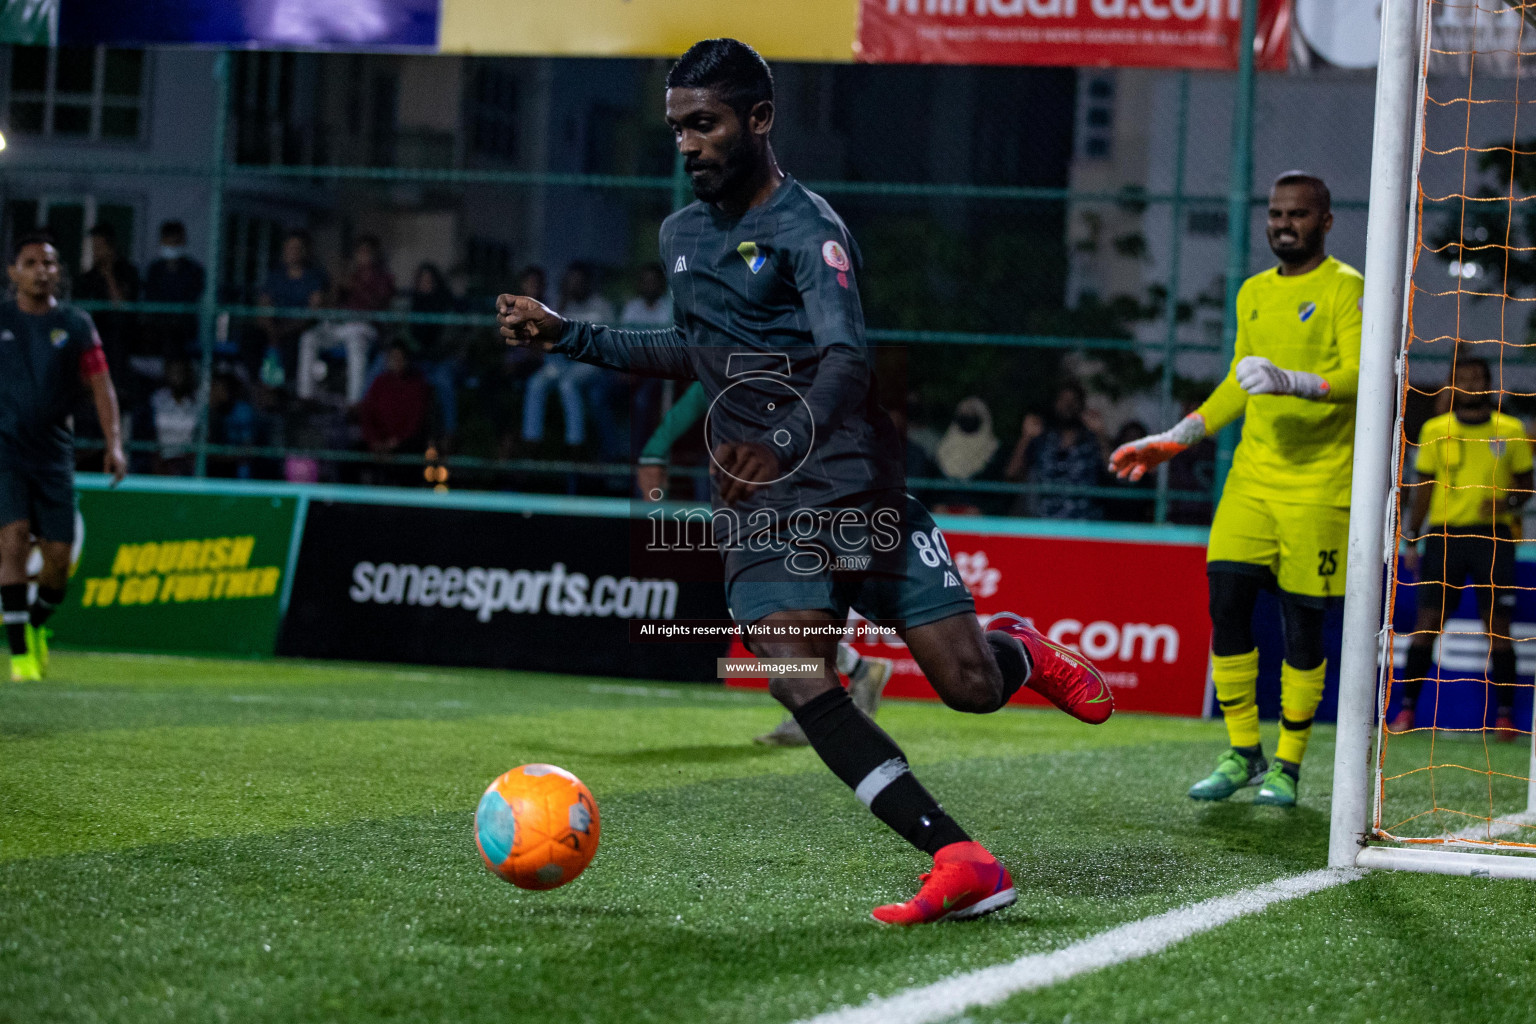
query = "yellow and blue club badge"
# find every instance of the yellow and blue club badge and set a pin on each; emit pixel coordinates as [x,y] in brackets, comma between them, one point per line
[58,336]
[1305,311]
[754,256]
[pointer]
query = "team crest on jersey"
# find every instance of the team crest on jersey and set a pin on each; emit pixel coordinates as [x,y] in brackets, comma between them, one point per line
[1305,311]
[58,336]
[835,256]
[754,256]
[1496,446]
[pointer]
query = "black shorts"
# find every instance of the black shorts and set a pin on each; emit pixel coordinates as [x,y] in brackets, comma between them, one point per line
[1469,553]
[44,496]
[880,554]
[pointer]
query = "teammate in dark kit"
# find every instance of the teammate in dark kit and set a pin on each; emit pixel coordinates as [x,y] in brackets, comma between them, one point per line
[810,509]
[48,353]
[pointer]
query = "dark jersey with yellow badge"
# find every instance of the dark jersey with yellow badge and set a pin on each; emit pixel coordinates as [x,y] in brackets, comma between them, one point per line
[44,361]
[766,315]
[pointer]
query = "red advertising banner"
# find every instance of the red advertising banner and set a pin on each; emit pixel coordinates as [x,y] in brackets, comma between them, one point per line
[1137,609]
[1200,34]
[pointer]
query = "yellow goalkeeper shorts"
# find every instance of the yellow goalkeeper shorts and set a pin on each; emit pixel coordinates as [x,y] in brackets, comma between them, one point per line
[1301,547]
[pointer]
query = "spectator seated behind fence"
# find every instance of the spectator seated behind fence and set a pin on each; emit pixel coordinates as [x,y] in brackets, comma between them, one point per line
[578,301]
[366,287]
[232,421]
[970,452]
[1061,451]
[174,411]
[114,279]
[436,357]
[649,309]
[393,414]
[297,284]
[173,276]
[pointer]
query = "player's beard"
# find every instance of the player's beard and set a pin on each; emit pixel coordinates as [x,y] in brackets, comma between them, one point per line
[720,178]
[1305,248]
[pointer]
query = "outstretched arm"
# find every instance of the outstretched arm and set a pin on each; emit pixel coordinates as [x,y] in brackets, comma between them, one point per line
[527,322]
[1228,402]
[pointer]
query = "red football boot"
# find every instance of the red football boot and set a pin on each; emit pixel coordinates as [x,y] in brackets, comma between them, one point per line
[1061,676]
[966,881]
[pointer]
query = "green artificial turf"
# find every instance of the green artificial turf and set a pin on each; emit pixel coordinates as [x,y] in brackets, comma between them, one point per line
[288,842]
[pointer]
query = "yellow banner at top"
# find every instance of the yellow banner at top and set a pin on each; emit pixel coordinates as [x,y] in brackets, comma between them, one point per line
[819,30]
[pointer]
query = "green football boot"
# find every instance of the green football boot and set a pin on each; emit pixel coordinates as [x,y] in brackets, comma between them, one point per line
[1279,789]
[24,669]
[1233,772]
[37,645]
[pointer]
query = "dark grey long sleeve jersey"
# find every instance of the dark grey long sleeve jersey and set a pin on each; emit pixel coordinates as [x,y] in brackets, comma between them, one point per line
[767,317]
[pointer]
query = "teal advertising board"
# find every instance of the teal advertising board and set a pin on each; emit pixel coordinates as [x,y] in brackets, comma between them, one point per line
[183,573]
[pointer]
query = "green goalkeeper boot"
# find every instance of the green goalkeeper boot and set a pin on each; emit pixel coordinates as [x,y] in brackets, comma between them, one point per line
[1279,789]
[1233,772]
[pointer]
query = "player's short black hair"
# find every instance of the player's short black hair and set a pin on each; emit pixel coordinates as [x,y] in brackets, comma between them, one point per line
[104,231]
[730,67]
[173,227]
[1476,363]
[1318,186]
[30,238]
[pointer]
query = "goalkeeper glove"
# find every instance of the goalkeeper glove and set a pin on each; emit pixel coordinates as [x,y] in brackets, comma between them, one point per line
[1259,376]
[1132,460]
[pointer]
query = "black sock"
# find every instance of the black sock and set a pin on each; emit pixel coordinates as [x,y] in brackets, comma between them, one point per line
[1505,677]
[1291,768]
[1012,660]
[1254,754]
[871,764]
[1421,661]
[13,605]
[48,601]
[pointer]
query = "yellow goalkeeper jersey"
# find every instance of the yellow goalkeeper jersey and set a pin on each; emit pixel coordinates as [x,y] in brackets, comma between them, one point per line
[1472,464]
[1295,450]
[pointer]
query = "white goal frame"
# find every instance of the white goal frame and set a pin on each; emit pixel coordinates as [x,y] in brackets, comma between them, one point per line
[1366,658]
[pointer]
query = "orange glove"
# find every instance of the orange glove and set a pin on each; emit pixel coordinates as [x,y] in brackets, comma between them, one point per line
[1132,460]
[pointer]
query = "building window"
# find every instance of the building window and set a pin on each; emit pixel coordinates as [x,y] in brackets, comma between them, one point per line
[77,92]
[1209,223]
[493,109]
[1096,117]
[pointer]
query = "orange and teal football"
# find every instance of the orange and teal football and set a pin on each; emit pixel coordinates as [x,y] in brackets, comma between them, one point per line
[537,826]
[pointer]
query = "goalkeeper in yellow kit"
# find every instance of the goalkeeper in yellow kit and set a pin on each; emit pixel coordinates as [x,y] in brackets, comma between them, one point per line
[1283,519]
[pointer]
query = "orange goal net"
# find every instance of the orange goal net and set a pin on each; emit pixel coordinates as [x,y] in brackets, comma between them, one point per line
[1453,763]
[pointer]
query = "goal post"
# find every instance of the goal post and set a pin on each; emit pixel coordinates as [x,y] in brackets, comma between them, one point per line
[1394,151]
[1374,765]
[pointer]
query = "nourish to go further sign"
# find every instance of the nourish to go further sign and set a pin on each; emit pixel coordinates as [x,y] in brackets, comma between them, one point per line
[1201,34]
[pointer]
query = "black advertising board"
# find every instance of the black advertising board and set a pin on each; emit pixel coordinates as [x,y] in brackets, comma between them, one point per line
[496,589]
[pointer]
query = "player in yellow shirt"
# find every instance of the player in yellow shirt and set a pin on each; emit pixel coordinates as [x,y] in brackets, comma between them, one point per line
[1474,472]
[1283,519]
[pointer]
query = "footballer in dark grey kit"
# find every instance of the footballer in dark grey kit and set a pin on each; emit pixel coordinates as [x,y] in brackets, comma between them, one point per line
[810,507]
[49,354]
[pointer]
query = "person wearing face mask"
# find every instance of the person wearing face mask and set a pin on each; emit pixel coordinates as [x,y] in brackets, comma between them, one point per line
[969,450]
[1283,520]
[174,276]
[1474,466]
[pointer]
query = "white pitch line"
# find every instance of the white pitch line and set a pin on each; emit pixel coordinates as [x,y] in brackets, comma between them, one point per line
[991,985]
